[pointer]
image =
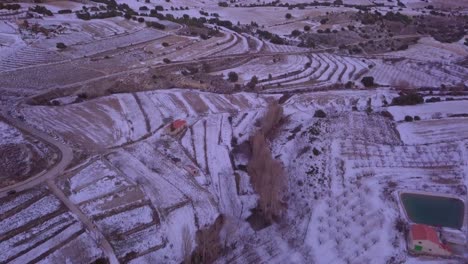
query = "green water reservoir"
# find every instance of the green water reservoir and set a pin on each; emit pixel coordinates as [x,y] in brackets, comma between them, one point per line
[434,210]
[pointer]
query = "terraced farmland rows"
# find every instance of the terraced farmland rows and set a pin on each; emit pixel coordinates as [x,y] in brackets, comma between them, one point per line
[36,227]
[28,56]
[324,69]
[117,206]
[241,46]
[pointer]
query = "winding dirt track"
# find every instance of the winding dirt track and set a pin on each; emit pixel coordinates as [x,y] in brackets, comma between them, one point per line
[65,157]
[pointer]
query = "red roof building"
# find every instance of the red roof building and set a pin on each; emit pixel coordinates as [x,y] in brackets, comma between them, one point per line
[424,239]
[179,123]
[176,127]
[424,232]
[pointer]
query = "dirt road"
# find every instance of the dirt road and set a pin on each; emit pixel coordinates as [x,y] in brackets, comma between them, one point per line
[89,224]
[65,156]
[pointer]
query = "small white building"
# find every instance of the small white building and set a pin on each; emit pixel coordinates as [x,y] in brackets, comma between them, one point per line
[424,239]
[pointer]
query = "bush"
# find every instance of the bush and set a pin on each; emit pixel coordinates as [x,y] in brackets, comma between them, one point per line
[387,114]
[253,82]
[433,100]
[41,10]
[141,20]
[320,114]
[65,11]
[165,44]
[368,81]
[316,152]
[223,4]
[155,25]
[166,60]
[295,33]
[306,28]
[61,45]
[408,99]
[408,118]
[349,85]
[417,118]
[233,77]
[288,16]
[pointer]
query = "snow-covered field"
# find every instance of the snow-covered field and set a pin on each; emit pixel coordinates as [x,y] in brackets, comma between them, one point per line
[436,110]
[36,227]
[138,192]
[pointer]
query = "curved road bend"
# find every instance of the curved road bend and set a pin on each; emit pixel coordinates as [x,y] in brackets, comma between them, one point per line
[65,157]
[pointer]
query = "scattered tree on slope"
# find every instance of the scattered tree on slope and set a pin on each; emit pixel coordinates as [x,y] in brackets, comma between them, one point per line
[267,175]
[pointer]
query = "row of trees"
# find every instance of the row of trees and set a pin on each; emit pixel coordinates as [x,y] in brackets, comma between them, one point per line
[10,6]
[267,175]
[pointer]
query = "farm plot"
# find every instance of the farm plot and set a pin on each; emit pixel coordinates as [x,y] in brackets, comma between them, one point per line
[351,224]
[29,56]
[168,105]
[335,102]
[182,202]
[118,119]
[204,48]
[362,126]
[324,222]
[114,42]
[413,73]
[118,207]
[21,156]
[323,69]
[430,111]
[430,167]
[240,46]
[95,124]
[35,226]
[352,227]
[428,49]
[433,131]
[264,66]
[79,32]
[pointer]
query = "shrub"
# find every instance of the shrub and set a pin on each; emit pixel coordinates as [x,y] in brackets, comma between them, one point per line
[316,152]
[408,118]
[165,44]
[295,33]
[141,20]
[306,28]
[223,4]
[433,100]
[368,81]
[233,77]
[253,82]
[155,25]
[166,60]
[277,40]
[417,118]
[61,45]
[41,10]
[320,114]
[324,21]
[408,99]
[387,114]
[288,16]
[65,11]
